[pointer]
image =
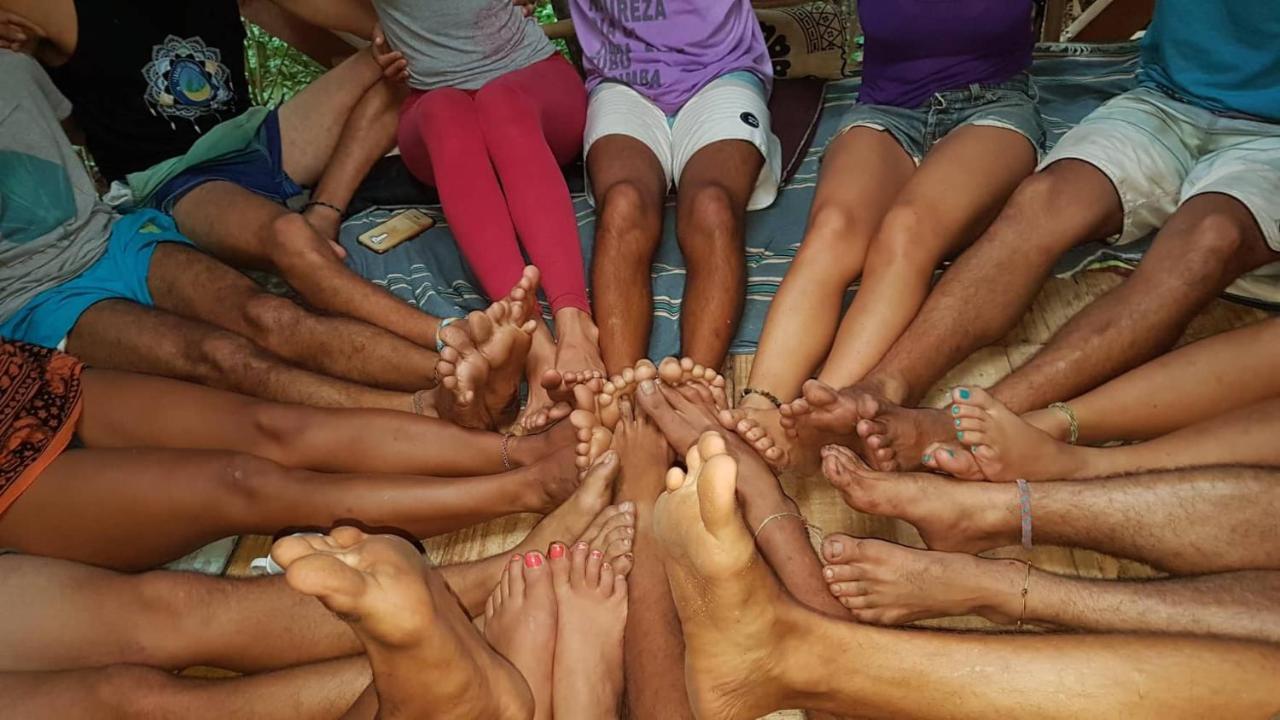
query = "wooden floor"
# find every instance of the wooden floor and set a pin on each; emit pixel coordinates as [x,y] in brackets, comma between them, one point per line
[1056,304]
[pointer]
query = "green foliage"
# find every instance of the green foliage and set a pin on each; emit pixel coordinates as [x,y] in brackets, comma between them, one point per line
[276,71]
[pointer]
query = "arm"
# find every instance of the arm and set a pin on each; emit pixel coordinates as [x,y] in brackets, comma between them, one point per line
[350,16]
[45,30]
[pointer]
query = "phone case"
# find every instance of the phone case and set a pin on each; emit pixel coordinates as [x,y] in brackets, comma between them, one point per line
[404,226]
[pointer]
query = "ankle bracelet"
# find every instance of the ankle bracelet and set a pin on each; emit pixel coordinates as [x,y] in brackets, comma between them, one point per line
[1026,590]
[1073,425]
[1024,508]
[762,393]
[506,457]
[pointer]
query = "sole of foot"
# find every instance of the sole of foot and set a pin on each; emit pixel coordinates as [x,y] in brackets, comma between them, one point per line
[407,619]
[592,599]
[732,610]
[888,584]
[951,515]
[520,622]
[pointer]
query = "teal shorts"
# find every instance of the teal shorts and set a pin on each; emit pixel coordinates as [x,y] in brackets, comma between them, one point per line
[121,273]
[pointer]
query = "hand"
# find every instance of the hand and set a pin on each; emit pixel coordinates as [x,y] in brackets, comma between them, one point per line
[394,66]
[18,33]
[526,5]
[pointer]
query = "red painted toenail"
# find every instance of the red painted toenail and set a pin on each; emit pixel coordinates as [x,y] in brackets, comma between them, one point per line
[533,560]
[557,551]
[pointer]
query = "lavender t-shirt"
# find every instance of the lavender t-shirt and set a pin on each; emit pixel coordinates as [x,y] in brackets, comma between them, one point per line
[667,50]
[915,48]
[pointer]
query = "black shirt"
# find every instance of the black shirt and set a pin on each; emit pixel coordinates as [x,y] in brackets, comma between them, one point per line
[149,76]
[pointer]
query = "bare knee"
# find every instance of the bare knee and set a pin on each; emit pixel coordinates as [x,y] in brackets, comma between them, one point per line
[835,243]
[709,222]
[1201,251]
[132,691]
[224,359]
[629,222]
[1037,202]
[269,316]
[162,612]
[293,243]
[905,240]
[243,482]
[278,430]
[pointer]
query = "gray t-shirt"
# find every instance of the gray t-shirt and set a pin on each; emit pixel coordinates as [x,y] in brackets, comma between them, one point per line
[461,44]
[52,225]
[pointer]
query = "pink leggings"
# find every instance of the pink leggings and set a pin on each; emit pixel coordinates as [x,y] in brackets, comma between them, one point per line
[495,155]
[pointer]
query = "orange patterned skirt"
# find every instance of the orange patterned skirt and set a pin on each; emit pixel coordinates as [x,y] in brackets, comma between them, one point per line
[39,405]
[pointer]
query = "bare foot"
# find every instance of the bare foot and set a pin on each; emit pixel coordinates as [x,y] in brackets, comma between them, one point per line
[520,623]
[407,620]
[593,439]
[824,416]
[952,515]
[592,598]
[735,617]
[758,423]
[888,584]
[527,449]
[894,437]
[578,347]
[501,335]
[556,478]
[613,534]
[1006,447]
[684,371]
[615,390]
[645,456]
[953,459]
[550,397]
[472,581]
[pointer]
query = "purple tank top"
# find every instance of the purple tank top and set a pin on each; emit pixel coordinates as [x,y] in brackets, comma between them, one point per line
[915,48]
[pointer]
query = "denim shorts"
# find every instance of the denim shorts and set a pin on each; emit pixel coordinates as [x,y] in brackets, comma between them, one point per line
[1010,105]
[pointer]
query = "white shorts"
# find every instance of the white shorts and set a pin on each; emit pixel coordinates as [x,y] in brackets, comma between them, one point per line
[1159,152]
[728,108]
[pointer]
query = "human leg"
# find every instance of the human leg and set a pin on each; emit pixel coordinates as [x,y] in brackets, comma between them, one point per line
[630,186]
[1193,383]
[193,285]
[1156,517]
[751,650]
[711,208]
[89,504]
[405,616]
[888,584]
[133,410]
[321,691]
[66,616]
[940,210]
[122,335]
[1209,242]
[1005,447]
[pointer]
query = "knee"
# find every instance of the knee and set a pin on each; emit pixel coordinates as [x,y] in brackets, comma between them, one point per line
[628,220]
[835,242]
[269,315]
[220,356]
[707,215]
[278,430]
[161,609]
[503,103]
[292,242]
[442,106]
[1210,240]
[241,482]
[902,239]
[132,691]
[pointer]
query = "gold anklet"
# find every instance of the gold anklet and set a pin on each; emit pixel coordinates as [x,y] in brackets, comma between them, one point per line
[1073,425]
[506,457]
[1026,589]
[775,516]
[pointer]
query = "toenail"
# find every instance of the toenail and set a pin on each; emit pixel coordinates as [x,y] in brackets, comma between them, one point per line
[556,552]
[626,506]
[533,560]
[964,393]
[582,546]
[836,548]
[926,459]
[957,422]
[951,453]
[955,409]
[596,554]
[960,435]
[829,573]
[646,387]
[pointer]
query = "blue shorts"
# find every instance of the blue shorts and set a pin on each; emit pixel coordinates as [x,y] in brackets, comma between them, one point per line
[1010,105]
[121,273]
[258,167]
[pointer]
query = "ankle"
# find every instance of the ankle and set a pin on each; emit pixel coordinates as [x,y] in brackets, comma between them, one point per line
[576,323]
[1051,422]
[999,589]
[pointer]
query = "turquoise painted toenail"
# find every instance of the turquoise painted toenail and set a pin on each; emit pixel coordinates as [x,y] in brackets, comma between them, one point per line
[926,459]
[957,422]
[955,409]
[951,453]
[964,394]
[960,435]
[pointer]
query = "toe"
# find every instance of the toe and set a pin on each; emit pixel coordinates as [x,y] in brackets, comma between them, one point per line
[646,370]
[599,478]
[839,548]
[977,397]
[579,555]
[669,370]
[840,573]
[595,561]
[558,561]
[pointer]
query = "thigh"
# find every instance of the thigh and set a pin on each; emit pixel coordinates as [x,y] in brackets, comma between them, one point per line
[732,165]
[622,159]
[189,283]
[557,98]
[626,138]
[125,409]
[1249,173]
[312,121]
[229,222]
[863,170]
[124,335]
[132,509]
[1211,232]
[964,181]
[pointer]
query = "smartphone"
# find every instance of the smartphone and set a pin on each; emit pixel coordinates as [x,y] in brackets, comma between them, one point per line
[400,228]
